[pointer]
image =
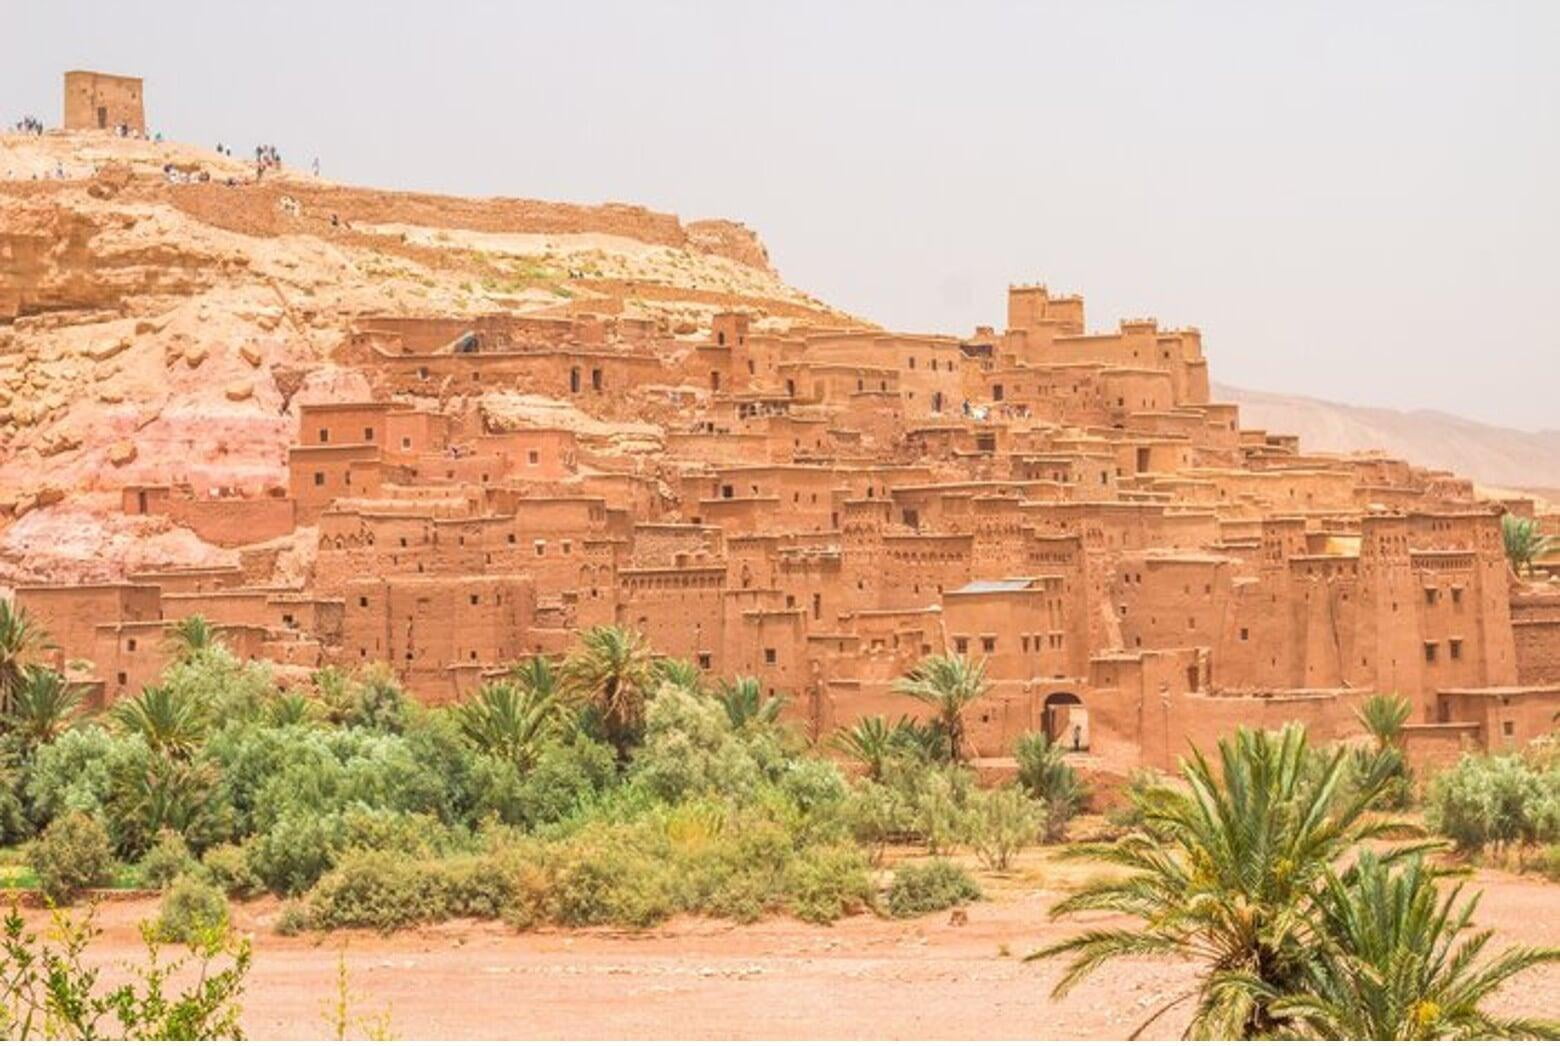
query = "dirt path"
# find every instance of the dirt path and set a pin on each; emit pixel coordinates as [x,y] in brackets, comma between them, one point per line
[861,978]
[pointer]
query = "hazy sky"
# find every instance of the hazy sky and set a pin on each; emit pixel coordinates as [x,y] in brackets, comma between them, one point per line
[1356,201]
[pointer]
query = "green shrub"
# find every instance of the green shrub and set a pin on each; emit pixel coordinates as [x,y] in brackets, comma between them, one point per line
[168,858]
[291,856]
[1000,823]
[1548,863]
[816,786]
[228,688]
[827,882]
[615,874]
[1044,773]
[380,890]
[227,865]
[691,749]
[77,771]
[939,796]
[509,883]
[929,886]
[292,919]
[1495,800]
[876,815]
[193,906]
[72,854]
[565,776]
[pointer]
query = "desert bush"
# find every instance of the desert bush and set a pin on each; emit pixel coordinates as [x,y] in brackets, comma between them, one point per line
[1001,822]
[1045,774]
[77,770]
[193,906]
[939,796]
[168,858]
[876,815]
[227,865]
[690,748]
[815,786]
[71,855]
[380,890]
[566,775]
[929,886]
[510,883]
[47,990]
[825,883]
[14,825]
[228,688]
[291,855]
[1495,800]
[292,918]
[613,874]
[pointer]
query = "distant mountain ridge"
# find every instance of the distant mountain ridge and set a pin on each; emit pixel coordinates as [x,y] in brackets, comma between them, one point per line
[1488,454]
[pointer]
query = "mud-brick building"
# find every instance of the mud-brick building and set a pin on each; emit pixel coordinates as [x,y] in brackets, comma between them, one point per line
[104,102]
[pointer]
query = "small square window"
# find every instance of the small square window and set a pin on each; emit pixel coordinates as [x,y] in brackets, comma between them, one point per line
[532,457]
[319,479]
[988,644]
[362,601]
[769,655]
[961,644]
[705,661]
[1454,649]
[475,599]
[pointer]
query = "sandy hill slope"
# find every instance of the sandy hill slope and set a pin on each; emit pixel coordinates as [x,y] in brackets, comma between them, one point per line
[163,314]
[1489,454]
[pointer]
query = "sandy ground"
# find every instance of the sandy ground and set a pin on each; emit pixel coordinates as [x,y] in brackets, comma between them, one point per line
[864,977]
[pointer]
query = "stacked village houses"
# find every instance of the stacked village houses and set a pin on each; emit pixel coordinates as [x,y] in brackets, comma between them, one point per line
[828,506]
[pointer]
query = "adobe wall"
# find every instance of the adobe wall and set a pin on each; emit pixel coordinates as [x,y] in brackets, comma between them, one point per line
[71,614]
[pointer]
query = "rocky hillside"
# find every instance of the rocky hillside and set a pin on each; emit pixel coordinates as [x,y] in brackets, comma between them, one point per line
[162,314]
[1489,454]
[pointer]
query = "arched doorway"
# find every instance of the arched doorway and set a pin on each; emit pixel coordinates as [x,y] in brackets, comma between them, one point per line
[1066,722]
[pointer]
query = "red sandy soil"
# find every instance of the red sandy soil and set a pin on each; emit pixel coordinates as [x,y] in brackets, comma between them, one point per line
[864,977]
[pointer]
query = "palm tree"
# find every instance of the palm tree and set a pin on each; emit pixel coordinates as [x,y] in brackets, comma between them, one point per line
[745,704]
[948,683]
[873,742]
[870,741]
[162,793]
[506,720]
[1524,542]
[1045,774]
[291,708]
[172,722]
[42,708]
[612,673]
[535,675]
[1384,716]
[679,672]
[191,635]
[21,641]
[1397,964]
[1227,874]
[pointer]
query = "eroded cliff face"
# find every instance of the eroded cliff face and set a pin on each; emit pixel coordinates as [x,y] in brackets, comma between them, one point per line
[163,315]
